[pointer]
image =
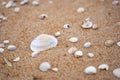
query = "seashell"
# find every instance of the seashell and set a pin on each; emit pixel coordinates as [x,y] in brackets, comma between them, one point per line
[116,72]
[90,70]
[4,3]
[12,47]
[43,42]
[34,54]
[55,69]
[9,4]
[109,43]
[17,9]
[35,2]
[118,43]
[94,27]
[87,45]
[2,45]
[78,54]
[73,39]
[66,26]
[16,59]
[6,41]
[115,2]
[80,10]
[90,55]
[72,50]
[57,34]
[87,24]
[1,50]
[45,66]
[103,67]
[42,16]
[23,2]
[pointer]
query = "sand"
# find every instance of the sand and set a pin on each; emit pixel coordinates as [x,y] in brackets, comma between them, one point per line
[21,28]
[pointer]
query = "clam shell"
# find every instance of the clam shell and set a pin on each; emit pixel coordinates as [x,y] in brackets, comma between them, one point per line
[43,42]
[90,70]
[103,67]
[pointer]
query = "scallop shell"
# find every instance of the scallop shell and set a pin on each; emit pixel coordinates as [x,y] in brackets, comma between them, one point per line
[43,42]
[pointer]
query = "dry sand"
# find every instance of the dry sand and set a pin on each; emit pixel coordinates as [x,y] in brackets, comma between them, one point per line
[22,27]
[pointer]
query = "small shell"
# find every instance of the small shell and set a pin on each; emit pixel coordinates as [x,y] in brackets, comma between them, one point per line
[90,55]
[94,26]
[42,16]
[87,45]
[43,42]
[115,2]
[2,45]
[103,67]
[66,26]
[78,54]
[116,72]
[14,5]
[35,2]
[80,10]
[17,9]
[12,47]
[4,3]
[90,70]
[8,62]
[109,43]
[9,4]
[34,54]
[118,43]
[1,50]
[73,39]
[55,69]
[57,34]
[16,59]
[23,2]
[6,41]
[45,66]
[72,50]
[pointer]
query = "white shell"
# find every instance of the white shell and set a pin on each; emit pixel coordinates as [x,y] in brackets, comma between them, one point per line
[90,70]
[78,54]
[43,42]
[24,2]
[118,44]
[6,41]
[90,55]
[73,39]
[87,45]
[35,2]
[1,50]
[103,67]
[94,26]
[42,16]
[57,33]
[16,59]
[34,54]
[66,26]
[4,3]
[45,66]
[80,10]
[55,69]
[116,72]
[87,24]
[72,50]
[115,2]
[17,9]
[12,47]
[2,45]
[9,4]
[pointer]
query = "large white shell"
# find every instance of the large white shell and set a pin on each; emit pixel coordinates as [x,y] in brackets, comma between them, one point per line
[90,70]
[43,42]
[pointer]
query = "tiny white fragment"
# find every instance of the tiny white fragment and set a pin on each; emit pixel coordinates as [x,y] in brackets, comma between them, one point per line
[42,16]
[34,54]
[50,1]
[8,62]
[2,45]
[57,33]
[4,3]
[103,67]
[78,54]
[80,10]
[115,2]
[6,41]
[73,39]
[66,26]
[35,2]
[45,66]
[9,4]
[116,72]
[1,50]
[118,43]
[72,50]
[87,45]
[17,9]
[90,55]
[23,2]
[55,69]
[90,70]
[16,59]
[12,47]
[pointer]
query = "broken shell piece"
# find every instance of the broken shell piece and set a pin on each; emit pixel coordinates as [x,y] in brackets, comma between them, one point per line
[90,70]
[55,69]
[1,50]
[34,54]
[45,66]
[17,9]
[16,59]
[9,4]
[35,2]
[6,41]
[78,54]
[12,47]
[57,34]
[94,26]
[115,2]
[43,16]
[116,72]
[73,39]
[43,42]
[90,55]
[2,45]
[118,43]
[87,24]
[66,26]
[109,43]
[80,10]
[8,62]
[103,67]
[87,45]
[4,3]
[72,50]
[23,2]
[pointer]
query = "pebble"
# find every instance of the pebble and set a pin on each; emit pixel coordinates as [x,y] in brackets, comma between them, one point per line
[1,50]
[73,39]
[78,54]
[72,50]
[2,45]
[80,10]
[35,2]
[116,72]
[55,69]
[90,70]
[115,2]
[90,55]
[87,45]
[16,59]
[66,26]
[43,16]
[94,27]
[103,67]
[6,41]
[9,4]
[17,9]
[57,34]
[12,47]
[109,43]
[23,2]
[34,54]
[45,66]
[118,43]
